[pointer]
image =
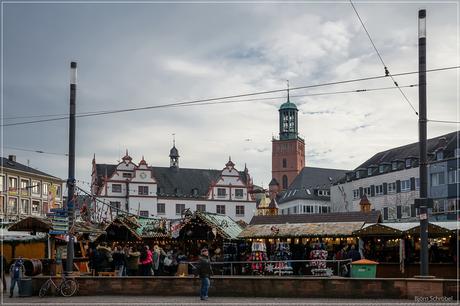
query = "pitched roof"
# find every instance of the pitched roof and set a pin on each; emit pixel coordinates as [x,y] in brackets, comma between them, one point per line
[309,179]
[412,150]
[176,181]
[13,165]
[354,216]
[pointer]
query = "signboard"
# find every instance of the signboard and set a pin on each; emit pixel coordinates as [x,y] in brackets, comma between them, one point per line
[423,202]
[59,221]
[423,216]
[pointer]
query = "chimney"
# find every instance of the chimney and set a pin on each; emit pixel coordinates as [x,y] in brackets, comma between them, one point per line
[12,158]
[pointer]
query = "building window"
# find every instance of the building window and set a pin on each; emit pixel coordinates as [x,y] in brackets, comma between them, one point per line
[369,171]
[378,189]
[12,185]
[408,162]
[36,187]
[454,176]
[438,206]
[161,209]
[284,163]
[220,209]
[392,187]
[355,193]
[25,187]
[239,210]
[2,183]
[144,213]
[12,206]
[417,183]
[58,191]
[367,191]
[45,189]
[285,182]
[452,204]
[200,207]
[406,211]
[238,193]
[35,207]
[126,175]
[381,168]
[143,190]
[437,179]
[116,188]
[357,174]
[221,192]
[391,213]
[24,206]
[180,208]
[195,192]
[439,155]
[324,209]
[394,166]
[405,185]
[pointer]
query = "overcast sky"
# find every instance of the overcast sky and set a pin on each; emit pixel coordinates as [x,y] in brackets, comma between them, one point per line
[135,55]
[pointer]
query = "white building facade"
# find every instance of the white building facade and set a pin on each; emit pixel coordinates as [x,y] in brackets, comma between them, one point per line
[168,191]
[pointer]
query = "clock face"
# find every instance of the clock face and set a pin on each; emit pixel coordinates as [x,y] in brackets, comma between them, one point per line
[143,175]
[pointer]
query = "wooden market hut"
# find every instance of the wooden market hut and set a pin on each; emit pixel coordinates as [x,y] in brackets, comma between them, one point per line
[121,230]
[396,246]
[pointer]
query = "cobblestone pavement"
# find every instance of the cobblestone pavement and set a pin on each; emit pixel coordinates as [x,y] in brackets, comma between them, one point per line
[187,300]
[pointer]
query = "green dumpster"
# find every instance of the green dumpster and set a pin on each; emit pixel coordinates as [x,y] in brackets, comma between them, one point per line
[364,268]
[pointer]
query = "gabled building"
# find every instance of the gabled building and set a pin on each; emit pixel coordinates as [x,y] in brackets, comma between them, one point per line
[169,191]
[390,180]
[25,191]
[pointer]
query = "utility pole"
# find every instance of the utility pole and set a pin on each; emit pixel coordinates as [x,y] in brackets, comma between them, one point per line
[71,179]
[424,203]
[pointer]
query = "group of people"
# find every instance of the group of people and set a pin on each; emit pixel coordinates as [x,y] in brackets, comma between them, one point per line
[133,260]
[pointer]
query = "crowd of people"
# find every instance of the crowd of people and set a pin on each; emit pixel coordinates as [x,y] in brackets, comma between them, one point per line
[140,260]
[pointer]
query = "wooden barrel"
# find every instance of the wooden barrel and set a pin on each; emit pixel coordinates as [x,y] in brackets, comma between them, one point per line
[32,267]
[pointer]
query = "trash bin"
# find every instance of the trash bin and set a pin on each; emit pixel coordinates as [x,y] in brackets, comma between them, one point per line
[364,268]
[26,287]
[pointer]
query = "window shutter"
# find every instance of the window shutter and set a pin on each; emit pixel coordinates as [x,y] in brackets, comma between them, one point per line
[398,186]
[385,188]
[412,183]
[412,210]
[399,211]
[385,213]
[361,191]
[372,191]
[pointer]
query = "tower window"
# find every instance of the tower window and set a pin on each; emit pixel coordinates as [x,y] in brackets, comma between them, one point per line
[284,163]
[285,182]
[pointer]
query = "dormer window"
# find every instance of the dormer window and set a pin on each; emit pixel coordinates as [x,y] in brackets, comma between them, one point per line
[394,166]
[369,171]
[381,168]
[357,175]
[408,162]
[195,192]
[440,155]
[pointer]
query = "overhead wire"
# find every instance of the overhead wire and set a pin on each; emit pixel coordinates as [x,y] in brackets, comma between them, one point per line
[228,97]
[387,72]
[35,151]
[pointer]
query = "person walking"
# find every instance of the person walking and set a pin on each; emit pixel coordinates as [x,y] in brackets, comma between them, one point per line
[16,273]
[204,271]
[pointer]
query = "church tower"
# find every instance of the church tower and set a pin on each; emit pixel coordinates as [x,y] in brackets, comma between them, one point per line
[174,155]
[288,151]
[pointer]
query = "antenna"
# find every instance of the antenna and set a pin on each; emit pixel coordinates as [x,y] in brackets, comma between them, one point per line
[174,139]
[287,83]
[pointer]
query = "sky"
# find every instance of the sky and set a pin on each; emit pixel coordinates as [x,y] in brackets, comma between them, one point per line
[145,54]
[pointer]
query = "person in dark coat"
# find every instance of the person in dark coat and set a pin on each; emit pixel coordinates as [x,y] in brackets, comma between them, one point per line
[119,260]
[17,273]
[204,271]
[353,254]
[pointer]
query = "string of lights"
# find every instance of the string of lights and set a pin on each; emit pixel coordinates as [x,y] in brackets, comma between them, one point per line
[387,72]
[225,97]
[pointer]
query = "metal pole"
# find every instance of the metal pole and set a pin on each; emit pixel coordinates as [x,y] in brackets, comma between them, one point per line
[422,142]
[71,179]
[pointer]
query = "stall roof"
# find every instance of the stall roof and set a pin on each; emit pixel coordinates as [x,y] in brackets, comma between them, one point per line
[355,216]
[30,224]
[400,228]
[327,229]
[225,225]
[15,236]
[450,225]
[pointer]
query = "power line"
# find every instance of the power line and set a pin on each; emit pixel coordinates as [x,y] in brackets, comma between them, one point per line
[444,121]
[236,101]
[35,151]
[227,97]
[387,72]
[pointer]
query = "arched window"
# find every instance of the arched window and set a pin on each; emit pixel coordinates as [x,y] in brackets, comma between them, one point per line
[285,182]
[284,163]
